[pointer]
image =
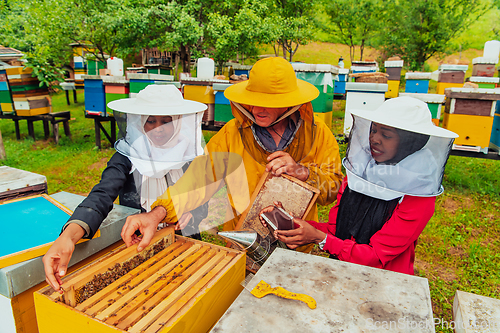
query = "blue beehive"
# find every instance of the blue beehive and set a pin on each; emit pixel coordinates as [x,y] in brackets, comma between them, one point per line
[495,132]
[241,69]
[417,82]
[339,84]
[95,97]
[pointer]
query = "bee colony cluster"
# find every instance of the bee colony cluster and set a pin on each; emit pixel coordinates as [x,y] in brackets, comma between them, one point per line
[158,289]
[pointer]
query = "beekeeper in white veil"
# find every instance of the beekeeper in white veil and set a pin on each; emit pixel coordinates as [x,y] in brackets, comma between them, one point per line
[161,134]
[395,163]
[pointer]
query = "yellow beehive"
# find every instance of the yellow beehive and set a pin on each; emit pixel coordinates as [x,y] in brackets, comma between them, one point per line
[441,86]
[472,130]
[174,285]
[199,93]
[393,89]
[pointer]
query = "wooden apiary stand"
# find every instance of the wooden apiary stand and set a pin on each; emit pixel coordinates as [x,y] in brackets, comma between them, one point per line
[175,284]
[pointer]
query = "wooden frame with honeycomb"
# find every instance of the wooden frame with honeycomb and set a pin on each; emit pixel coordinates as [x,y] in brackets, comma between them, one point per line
[175,284]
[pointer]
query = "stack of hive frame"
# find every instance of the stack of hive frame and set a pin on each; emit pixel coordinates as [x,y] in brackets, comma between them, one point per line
[175,284]
[29,97]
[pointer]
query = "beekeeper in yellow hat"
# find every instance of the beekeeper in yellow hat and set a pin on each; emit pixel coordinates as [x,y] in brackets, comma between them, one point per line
[274,130]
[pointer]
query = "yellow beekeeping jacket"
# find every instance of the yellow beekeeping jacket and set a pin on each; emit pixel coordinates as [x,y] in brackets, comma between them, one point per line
[234,158]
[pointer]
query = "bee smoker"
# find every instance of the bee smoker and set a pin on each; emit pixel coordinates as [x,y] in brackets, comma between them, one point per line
[249,240]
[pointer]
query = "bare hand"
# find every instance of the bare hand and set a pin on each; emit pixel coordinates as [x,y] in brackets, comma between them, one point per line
[146,223]
[280,162]
[183,221]
[304,233]
[267,210]
[55,261]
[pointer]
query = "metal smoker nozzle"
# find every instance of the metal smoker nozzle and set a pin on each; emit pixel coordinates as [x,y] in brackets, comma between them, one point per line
[251,242]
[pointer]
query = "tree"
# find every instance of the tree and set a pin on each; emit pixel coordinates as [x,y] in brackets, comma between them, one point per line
[290,25]
[419,29]
[226,37]
[355,22]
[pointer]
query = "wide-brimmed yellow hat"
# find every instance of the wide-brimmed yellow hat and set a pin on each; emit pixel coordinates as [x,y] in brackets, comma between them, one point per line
[273,84]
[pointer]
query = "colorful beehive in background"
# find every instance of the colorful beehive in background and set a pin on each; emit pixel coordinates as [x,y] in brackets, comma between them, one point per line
[95,96]
[469,113]
[115,87]
[339,85]
[6,106]
[201,90]
[94,66]
[175,285]
[495,132]
[222,111]
[484,81]
[240,69]
[364,96]
[364,67]
[434,102]
[393,68]
[158,69]
[29,98]
[484,66]
[417,82]
[139,81]
[450,76]
[322,77]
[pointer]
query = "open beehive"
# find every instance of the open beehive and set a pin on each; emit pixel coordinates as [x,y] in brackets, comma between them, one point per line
[175,284]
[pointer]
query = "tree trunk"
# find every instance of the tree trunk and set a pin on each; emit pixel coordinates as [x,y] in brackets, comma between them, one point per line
[2,148]
[361,49]
[186,59]
[276,51]
[176,66]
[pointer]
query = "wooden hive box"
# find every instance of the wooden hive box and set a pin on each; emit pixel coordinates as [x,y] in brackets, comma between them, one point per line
[176,284]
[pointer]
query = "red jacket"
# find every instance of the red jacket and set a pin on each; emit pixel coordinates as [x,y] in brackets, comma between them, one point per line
[393,246]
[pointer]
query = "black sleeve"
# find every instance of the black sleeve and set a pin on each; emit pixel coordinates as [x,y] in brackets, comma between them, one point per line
[200,213]
[94,209]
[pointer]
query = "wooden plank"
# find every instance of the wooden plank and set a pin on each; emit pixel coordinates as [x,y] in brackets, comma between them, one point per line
[472,95]
[83,276]
[451,76]
[155,261]
[155,291]
[173,290]
[146,283]
[212,301]
[475,107]
[184,299]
